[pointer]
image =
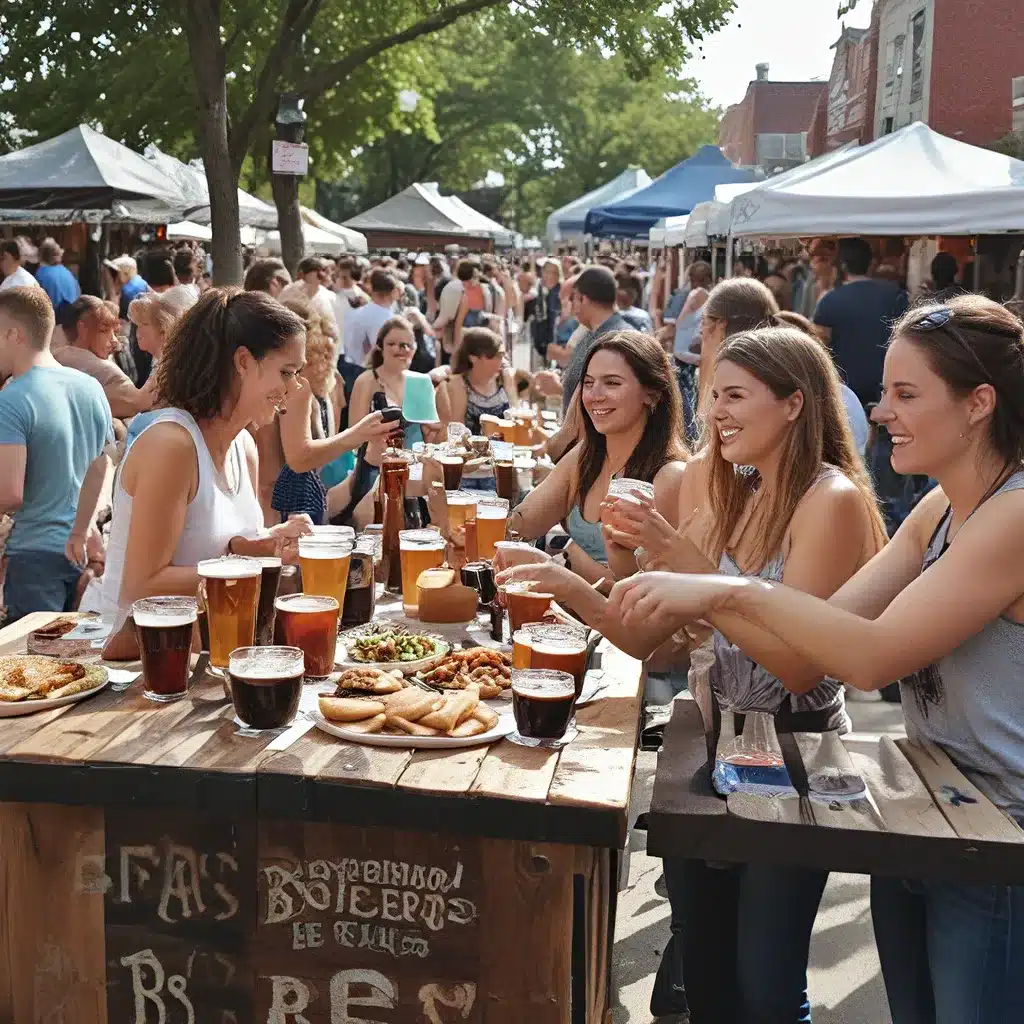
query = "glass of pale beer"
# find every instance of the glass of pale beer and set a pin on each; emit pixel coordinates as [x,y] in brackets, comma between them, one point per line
[325,562]
[419,550]
[231,591]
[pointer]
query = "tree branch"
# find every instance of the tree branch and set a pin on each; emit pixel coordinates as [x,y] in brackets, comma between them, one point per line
[295,22]
[328,77]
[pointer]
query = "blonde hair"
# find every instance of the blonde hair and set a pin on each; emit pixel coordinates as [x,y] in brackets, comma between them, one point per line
[161,309]
[320,352]
[787,360]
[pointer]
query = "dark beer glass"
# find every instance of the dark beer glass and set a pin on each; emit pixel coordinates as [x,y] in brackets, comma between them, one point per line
[164,629]
[270,581]
[266,683]
[310,622]
[542,703]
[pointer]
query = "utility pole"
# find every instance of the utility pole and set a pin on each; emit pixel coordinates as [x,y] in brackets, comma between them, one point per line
[289,161]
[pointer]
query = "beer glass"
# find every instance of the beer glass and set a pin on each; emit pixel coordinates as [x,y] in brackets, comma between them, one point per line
[451,467]
[525,603]
[266,684]
[521,650]
[325,563]
[542,704]
[621,489]
[491,521]
[270,581]
[310,622]
[461,506]
[479,576]
[419,550]
[231,590]
[523,420]
[559,647]
[164,629]
[506,479]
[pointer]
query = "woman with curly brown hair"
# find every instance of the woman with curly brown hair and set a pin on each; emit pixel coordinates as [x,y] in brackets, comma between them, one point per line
[187,487]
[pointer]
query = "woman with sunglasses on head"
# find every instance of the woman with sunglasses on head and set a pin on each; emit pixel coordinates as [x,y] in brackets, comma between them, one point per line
[953,402]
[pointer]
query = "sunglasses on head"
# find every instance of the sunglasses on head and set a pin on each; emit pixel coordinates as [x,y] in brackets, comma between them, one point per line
[942,317]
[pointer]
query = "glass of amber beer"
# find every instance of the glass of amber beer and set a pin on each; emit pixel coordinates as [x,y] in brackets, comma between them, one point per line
[231,591]
[266,684]
[325,563]
[461,506]
[525,603]
[558,647]
[164,628]
[491,522]
[420,549]
[310,622]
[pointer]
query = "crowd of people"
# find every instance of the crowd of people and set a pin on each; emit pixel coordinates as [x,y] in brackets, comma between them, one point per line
[780,564]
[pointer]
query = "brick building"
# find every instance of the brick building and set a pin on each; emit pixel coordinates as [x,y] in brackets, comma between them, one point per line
[949,63]
[770,125]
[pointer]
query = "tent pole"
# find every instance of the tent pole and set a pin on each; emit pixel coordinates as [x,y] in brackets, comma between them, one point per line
[728,256]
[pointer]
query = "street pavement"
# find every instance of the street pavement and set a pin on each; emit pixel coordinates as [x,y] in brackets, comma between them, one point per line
[844,977]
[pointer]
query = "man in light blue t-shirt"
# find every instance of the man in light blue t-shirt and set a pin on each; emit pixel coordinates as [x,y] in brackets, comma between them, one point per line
[53,422]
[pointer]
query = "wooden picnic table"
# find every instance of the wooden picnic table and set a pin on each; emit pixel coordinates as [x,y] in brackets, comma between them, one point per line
[161,867]
[921,817]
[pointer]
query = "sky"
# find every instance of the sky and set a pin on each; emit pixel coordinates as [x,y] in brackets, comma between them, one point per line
[792,36]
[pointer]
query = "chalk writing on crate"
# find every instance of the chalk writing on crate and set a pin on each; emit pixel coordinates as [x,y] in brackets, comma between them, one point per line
[389,906]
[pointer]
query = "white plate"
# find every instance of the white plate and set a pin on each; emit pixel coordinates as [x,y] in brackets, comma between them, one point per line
[343,661]
[17,708]
[506,724]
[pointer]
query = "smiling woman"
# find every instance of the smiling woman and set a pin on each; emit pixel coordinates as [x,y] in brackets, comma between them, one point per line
[186,489]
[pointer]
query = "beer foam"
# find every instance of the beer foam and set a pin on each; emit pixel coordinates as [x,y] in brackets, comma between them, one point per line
[270,665]
[164,620]
[545,688]
[324,551]
[491,512]
[269,561]
[229,568]
[305,603]
[558,647]
[460,499]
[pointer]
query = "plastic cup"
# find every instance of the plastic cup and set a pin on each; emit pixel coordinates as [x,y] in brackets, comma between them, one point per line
[419,404]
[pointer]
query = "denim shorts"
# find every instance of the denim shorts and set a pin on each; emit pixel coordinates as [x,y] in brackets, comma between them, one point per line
[39,581]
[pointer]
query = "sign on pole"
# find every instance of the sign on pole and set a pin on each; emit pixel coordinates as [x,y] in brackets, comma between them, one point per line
[290,158]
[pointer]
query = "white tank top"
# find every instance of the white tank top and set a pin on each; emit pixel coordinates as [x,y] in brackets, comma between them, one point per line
[213,517]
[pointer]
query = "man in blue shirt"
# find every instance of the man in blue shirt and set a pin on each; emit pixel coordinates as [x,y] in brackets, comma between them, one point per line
[54,278]
[127,279]
[857,319]
[53,422]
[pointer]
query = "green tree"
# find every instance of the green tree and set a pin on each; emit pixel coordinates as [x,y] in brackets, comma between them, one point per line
[209,73]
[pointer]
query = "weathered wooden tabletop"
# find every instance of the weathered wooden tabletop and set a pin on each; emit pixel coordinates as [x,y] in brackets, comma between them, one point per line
[920,818]
[118,749]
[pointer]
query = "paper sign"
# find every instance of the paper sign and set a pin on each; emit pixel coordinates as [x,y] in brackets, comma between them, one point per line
[289,158]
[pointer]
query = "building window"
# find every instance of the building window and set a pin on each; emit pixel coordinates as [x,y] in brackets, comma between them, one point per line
[917,58]
[887,126]
[778,146]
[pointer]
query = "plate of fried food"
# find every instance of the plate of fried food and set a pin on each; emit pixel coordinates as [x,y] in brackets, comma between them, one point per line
[390,647]
[372,710]
[489,670]
[35,682]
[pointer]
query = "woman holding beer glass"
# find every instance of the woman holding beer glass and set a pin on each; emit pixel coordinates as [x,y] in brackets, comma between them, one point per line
[805,514]
[187,487]
[953,402]
[632,417]
[390,360]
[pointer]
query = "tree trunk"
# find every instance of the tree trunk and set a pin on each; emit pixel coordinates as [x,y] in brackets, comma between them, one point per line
[202,27]
[289,219]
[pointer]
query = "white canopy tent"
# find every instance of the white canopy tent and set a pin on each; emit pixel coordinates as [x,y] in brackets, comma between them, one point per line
[318,242]
[186,230]
[668,232]
[912,182]
[567,222]
[354,240]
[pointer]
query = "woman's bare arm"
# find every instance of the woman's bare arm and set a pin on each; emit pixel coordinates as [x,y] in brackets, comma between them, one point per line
[548,503]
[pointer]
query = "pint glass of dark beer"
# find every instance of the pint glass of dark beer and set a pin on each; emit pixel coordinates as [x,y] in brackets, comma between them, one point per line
[310,622]
[266,683]
[542,703]
[232,588]
[270,581]
[164,628]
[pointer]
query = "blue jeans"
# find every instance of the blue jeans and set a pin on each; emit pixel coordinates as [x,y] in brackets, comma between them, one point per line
[39,581]
[951,954]
[739,943]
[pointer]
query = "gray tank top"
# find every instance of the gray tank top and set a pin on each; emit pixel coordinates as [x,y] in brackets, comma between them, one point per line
[742,685]
[969,702]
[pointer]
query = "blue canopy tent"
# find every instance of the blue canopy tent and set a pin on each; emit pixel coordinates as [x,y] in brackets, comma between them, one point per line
[676,192]
[567,222]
